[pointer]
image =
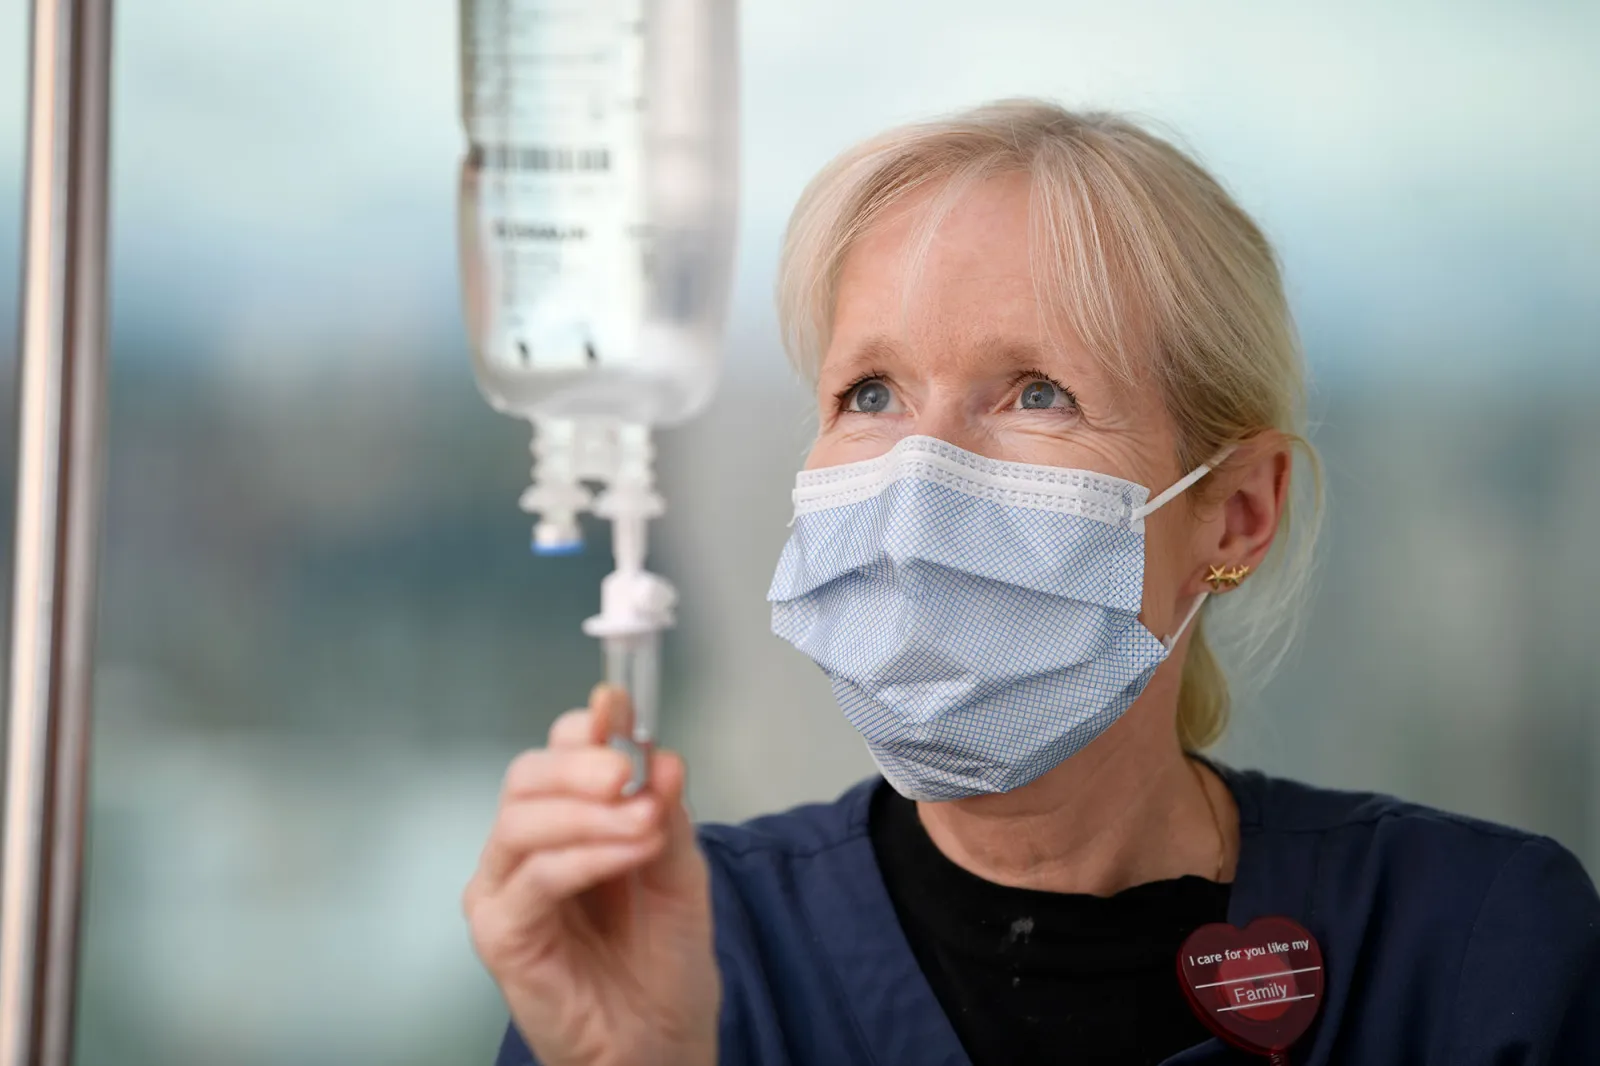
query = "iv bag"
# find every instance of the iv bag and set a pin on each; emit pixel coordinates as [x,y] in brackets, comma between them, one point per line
[598,203]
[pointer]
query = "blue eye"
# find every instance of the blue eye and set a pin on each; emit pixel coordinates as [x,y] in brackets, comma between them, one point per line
[870,397]
[1039,395]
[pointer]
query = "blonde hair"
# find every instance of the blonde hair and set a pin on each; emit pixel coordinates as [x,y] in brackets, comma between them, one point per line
[1152,265]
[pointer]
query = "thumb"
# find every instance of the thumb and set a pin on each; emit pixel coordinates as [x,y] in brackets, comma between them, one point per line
[679,868]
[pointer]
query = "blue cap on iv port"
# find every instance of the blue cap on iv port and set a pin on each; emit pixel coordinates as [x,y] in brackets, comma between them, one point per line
[558,534]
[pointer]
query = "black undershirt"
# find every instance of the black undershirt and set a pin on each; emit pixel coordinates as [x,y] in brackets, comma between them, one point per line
[1044,977]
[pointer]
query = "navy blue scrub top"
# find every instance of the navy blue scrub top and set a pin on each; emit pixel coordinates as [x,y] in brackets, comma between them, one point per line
[1446,940]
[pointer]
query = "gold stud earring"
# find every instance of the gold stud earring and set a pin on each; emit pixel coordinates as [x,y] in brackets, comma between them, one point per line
[1230,576]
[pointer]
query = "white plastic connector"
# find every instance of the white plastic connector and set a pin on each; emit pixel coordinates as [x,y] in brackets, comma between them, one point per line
[630,500]
[556,496]
[594,449]
[633,603]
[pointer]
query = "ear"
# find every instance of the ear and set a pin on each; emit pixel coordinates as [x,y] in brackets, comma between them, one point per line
[1240,517]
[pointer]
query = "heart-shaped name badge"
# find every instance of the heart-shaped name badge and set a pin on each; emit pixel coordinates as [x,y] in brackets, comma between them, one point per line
[1258,987]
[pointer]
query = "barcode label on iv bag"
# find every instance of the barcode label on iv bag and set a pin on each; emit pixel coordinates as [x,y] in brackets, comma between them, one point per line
[542,160]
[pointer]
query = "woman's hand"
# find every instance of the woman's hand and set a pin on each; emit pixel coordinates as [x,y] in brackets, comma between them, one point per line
[592,911]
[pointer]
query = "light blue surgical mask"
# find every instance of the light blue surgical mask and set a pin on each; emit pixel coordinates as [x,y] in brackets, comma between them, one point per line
[978,618]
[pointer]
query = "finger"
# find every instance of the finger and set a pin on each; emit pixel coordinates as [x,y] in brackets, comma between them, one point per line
[592,772]
[548,878]
[610,711]
[551,824]
[667,777]
[587,725]
[575,729]
[505,916]
[612,706]
[679,868]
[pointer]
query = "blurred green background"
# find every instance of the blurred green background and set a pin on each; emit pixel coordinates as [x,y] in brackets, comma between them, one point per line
[322,636]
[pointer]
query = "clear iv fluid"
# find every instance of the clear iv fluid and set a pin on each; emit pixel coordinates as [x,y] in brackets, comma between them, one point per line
[598,203]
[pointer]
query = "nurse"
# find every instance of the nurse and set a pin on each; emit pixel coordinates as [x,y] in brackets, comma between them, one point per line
[1058,396]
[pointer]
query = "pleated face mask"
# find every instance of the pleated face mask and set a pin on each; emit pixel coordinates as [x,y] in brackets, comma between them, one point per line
[978,618]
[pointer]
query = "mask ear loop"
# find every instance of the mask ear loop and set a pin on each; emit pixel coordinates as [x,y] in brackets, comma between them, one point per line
[1183,483]
[1172,641]
[1165,498]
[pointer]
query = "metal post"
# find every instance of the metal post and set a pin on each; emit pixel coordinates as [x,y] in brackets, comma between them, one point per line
[60,434]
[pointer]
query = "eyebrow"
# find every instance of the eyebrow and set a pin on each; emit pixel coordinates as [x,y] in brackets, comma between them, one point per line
[871,352]
[1024,355]
[995,351]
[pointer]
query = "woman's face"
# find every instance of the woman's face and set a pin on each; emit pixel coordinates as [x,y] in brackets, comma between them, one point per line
[970,359]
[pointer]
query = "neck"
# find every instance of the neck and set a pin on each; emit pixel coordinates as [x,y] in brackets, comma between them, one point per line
[1128,809]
